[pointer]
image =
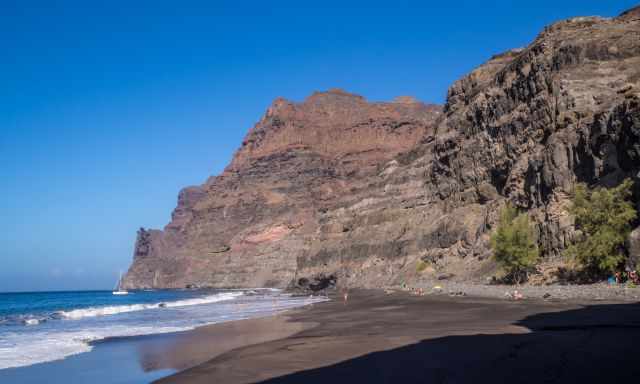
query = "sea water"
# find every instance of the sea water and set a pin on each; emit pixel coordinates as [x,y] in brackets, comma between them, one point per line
[37,327]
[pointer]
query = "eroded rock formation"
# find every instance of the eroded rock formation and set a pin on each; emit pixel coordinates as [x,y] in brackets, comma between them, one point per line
[338,186]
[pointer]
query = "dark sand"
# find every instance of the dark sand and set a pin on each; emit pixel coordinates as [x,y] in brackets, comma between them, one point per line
[398,338]
[377,338]
[187,349]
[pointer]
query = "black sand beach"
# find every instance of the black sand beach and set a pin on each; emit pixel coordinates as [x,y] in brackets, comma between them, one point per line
[399,338]
[378,338]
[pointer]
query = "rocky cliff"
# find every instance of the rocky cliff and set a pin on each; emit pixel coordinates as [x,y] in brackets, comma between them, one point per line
[364,191]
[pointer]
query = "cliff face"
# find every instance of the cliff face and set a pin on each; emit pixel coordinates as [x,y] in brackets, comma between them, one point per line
[251,224]
[337,185]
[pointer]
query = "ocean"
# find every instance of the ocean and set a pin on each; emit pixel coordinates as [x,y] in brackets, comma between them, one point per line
[39,327]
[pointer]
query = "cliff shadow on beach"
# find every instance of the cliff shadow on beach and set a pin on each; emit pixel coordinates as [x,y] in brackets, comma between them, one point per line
[598,343]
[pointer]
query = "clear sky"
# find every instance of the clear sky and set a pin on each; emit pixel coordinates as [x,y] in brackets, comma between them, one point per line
[107,110]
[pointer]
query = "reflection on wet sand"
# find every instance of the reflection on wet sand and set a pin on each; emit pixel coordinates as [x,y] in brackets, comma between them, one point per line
[187,349]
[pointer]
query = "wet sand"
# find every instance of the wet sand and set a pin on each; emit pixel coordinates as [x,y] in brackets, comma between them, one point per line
[187,349]
[142,359]
[399,338]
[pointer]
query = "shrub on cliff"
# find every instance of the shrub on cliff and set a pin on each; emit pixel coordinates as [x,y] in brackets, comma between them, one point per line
[421,266]
[514,245]
[604,217]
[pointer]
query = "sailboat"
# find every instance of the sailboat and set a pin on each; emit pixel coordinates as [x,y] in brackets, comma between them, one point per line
[118,289]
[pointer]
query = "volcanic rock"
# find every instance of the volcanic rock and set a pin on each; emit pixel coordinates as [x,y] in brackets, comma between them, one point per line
[338,186]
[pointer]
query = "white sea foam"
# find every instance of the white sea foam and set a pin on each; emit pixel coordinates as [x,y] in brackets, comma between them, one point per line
[18,350]
[54,340]
[115,309]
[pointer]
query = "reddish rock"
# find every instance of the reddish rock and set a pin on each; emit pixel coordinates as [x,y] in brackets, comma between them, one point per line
[337,186]
[250,225]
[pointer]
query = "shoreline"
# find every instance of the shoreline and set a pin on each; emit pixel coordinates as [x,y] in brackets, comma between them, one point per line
[155,352]
[344,339]
[182,350]
[326,334]
[144,358]
[195,348]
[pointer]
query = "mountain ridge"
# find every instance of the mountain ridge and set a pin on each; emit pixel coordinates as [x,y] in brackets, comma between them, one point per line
[335,185]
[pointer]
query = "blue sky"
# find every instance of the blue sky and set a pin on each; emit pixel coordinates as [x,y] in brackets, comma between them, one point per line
[107,110]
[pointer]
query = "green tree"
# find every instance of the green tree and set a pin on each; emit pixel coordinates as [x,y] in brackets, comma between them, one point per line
[513,244]
[604,217]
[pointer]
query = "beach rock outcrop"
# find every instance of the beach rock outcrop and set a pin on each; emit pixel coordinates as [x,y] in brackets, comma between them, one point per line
[372,192]
[316,283]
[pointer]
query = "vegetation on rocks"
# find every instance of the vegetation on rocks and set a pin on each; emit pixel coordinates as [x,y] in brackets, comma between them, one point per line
[514,244]
[335,184]
[603,218]
[421,266]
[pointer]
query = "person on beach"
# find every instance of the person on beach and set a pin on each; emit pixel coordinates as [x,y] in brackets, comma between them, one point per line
[346,296]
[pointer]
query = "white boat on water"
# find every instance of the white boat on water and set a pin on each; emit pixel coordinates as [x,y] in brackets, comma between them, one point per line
[118,290]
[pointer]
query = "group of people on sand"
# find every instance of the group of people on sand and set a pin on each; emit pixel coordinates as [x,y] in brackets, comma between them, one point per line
[415,291]
[630,276]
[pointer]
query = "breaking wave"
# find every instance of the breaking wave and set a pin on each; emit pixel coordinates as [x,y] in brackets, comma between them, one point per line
[31,338]
[115,309]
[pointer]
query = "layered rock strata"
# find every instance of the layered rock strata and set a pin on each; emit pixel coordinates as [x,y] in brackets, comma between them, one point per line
[338,186]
